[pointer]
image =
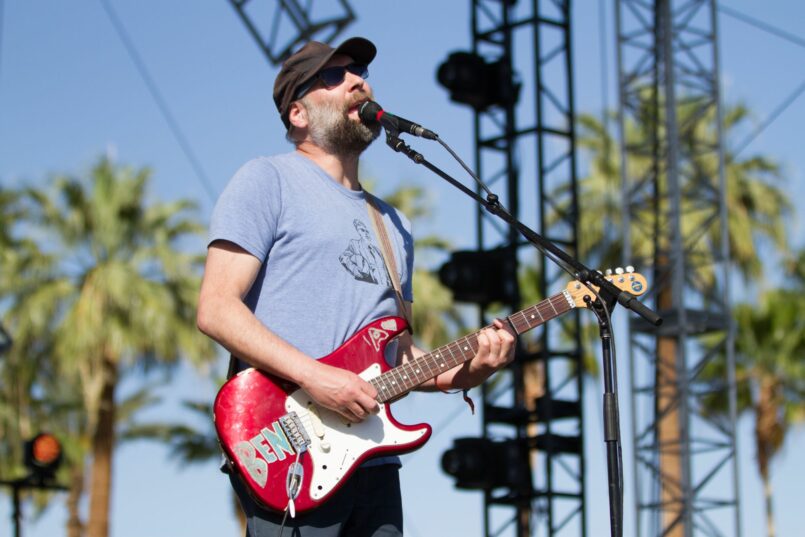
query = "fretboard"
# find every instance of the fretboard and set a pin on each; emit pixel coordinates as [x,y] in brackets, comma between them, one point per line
[402,379]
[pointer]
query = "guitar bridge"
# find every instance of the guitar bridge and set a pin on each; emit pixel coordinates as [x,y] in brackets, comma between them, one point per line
[295,431]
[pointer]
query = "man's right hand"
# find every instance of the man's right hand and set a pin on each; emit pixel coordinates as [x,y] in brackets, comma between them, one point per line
[341,391]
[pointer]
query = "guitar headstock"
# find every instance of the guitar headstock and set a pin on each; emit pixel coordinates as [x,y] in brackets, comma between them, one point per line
[624,279]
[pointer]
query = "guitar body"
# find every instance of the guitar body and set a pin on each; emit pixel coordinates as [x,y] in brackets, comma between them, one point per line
[265,423]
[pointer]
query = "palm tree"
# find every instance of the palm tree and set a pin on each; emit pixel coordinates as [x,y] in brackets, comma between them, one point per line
[119,295]
[756,209]
[34,398]
[770,356]
[770,371]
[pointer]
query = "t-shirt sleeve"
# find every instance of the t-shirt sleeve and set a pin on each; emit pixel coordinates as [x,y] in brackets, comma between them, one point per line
[247,212]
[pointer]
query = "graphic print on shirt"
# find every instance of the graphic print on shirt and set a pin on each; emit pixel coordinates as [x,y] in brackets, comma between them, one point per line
[363,259]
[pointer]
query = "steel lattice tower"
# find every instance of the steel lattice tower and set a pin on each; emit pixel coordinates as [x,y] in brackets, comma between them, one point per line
[539,399]
[685,464]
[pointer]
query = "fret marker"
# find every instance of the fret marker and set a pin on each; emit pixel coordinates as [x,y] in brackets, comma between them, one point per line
[417,371]
[441,365]
[532,315]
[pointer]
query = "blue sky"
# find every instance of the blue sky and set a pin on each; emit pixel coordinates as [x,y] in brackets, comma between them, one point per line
[69,92]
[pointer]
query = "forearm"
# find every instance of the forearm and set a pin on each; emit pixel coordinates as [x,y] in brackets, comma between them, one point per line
[228,321]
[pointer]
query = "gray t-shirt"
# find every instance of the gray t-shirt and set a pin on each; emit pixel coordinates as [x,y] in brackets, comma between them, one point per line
[323,276]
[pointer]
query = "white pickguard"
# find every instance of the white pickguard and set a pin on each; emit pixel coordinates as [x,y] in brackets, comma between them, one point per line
[336,444]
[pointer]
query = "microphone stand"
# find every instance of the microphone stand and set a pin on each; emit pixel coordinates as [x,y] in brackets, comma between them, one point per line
[608,295]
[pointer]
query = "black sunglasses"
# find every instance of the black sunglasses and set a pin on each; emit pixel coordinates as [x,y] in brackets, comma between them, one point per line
[333,76]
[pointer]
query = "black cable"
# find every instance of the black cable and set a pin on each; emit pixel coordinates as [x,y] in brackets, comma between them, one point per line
[791,98]
[782,34]
[550,255]
[774,115]
[160,101]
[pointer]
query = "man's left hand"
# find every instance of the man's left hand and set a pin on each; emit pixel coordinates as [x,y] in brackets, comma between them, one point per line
[495,350]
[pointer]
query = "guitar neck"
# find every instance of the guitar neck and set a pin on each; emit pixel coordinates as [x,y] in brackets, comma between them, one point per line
[404,378]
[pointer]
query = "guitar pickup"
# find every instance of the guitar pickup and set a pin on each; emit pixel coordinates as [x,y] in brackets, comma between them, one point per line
[295,431]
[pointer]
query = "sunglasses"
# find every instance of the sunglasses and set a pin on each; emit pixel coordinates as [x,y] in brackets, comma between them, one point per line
[333,76]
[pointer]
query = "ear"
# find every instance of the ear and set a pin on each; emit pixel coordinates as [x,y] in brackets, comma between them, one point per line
[297,115]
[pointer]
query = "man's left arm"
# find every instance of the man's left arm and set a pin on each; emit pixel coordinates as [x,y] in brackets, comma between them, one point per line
[495,350]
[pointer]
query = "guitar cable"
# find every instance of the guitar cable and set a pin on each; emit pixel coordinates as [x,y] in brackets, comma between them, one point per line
[292,484]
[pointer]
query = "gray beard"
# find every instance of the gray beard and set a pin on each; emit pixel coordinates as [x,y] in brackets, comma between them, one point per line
[331,129]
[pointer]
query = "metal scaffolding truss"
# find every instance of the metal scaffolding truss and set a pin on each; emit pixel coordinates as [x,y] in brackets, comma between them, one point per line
[682,373]
[538,400]
[282,26]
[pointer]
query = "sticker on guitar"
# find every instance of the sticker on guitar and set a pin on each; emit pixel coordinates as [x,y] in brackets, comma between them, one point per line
[271,443]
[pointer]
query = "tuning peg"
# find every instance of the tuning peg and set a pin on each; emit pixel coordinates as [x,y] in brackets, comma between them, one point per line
[629,269]
[609,272]
[619,271]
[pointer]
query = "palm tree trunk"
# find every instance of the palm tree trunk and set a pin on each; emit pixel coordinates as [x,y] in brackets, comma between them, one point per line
[668,428]
[668,438]
[75,527]
[766,428]
[103,441]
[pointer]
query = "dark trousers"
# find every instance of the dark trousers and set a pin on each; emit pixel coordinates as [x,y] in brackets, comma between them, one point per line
[367,505]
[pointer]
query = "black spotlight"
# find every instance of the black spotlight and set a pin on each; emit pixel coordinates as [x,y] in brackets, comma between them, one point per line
[480,276]
[43,456]
[472,80]
[485,464]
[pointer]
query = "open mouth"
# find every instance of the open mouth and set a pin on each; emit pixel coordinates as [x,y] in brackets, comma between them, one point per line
[357,105]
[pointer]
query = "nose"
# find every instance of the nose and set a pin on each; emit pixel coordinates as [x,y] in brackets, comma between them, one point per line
[355,82]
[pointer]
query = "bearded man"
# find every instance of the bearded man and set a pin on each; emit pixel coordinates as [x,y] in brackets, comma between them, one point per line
[277,292]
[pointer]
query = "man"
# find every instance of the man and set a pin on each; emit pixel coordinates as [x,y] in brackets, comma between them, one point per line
[278,290]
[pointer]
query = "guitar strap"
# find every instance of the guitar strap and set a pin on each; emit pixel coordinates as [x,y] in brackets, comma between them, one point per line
[388,256]
[391,268]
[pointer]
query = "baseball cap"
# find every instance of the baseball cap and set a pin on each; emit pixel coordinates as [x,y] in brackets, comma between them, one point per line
[303,65]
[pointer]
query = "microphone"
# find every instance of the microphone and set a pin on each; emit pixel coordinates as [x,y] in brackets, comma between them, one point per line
[371,112]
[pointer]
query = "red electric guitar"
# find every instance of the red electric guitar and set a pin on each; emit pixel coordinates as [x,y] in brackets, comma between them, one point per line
[285,447]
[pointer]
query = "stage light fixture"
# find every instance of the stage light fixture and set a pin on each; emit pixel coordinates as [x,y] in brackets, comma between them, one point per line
[472,80]
[486,464]
[43,456]
[480,276]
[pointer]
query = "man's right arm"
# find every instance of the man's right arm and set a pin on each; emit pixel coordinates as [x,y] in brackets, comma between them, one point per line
[229,273]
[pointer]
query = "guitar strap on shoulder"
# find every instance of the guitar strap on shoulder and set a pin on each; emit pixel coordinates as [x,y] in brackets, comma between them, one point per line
[388,256]
[391,268]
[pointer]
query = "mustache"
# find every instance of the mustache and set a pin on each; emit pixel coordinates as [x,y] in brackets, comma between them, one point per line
[359,98]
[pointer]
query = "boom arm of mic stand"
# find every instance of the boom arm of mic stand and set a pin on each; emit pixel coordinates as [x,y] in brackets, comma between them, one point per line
[609,292]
